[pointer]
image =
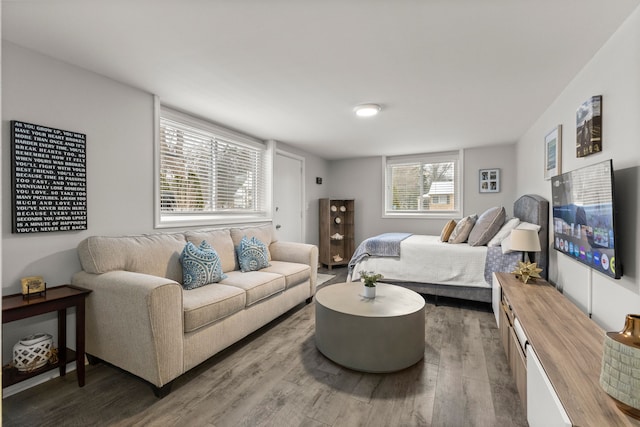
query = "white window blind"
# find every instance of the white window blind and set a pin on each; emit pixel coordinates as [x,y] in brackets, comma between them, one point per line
[207,172]
[424,184]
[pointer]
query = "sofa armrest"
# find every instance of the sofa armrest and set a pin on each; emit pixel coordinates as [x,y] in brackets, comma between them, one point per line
[135,321]
[301,253]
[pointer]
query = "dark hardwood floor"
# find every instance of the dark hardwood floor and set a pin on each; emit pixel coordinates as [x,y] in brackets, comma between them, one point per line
[277,377]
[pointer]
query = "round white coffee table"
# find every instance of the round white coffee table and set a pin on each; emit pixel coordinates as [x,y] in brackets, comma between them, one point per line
[383,334]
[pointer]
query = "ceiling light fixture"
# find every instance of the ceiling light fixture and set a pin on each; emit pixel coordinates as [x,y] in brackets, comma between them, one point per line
[367,110]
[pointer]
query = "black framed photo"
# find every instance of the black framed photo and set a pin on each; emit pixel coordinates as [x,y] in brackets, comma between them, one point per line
[489,180]
[48,179]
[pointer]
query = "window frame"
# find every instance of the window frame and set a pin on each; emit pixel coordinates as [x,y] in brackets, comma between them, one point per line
[456,156]
[165,220]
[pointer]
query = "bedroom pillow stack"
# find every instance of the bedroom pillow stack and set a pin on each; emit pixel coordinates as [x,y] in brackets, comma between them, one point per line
[487,225]
[479,231]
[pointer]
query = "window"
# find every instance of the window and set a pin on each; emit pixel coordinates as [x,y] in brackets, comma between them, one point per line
[426,185]
[208,174]
[442,199]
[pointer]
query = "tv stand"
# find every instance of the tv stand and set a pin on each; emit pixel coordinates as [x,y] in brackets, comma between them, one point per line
[555,354]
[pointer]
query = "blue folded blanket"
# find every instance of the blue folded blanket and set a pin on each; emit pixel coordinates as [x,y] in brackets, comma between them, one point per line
[387,244]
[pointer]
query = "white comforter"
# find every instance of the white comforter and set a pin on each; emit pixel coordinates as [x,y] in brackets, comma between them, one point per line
[425,259]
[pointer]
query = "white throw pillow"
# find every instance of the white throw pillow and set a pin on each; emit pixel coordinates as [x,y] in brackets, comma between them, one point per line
[528,226]
[504,232]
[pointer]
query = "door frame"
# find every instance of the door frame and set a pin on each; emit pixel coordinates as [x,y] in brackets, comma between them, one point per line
[303,200]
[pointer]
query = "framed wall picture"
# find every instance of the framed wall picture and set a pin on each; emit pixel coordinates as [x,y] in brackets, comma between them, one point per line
[553,153]
[48,179]
[589,127]
[489,180]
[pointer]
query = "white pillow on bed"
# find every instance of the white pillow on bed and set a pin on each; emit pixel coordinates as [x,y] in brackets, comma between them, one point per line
[504,232]
[506,243]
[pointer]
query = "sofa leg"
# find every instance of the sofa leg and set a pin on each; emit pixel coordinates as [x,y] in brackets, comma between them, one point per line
[308,300]
[163,391]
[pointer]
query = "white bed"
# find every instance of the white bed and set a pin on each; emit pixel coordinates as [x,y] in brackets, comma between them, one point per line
[425,259]
[430,266]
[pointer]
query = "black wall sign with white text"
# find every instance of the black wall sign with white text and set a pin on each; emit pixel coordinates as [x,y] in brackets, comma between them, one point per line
[48,179]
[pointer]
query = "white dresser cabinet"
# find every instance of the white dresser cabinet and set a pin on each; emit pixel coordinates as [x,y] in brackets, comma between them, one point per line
[544,408]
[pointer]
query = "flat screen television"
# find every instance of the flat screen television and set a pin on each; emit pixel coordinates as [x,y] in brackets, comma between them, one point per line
[584,217]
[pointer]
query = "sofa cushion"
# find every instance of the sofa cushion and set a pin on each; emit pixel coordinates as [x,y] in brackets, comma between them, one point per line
[220,240]
[293,273]
[257,284]
[154,254]
[205,305]
[200,265]
[252,255]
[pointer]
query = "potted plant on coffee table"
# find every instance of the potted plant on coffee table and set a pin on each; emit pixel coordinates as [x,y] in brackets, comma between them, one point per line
[369,278]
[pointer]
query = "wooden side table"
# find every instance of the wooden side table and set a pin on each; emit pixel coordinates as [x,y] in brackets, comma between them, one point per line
[58,298]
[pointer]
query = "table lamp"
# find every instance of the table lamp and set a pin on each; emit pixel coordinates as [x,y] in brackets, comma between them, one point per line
[528,242]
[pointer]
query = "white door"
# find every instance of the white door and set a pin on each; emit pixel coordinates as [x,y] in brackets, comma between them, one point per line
[288,197]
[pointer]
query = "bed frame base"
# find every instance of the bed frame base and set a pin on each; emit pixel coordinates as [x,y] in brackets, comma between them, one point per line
[462,292]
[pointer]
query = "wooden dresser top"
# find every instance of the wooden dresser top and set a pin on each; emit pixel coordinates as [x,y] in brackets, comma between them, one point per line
[569,346]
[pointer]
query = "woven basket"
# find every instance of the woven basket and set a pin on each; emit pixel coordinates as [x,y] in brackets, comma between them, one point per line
[32,352]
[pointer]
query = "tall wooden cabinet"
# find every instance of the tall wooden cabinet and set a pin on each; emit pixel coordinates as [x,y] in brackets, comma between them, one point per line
[336,231]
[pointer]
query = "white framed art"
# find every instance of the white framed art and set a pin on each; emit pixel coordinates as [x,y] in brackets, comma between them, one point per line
[489,180]
[553,153]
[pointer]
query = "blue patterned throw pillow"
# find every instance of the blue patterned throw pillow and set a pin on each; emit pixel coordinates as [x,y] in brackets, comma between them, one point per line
[200,266]
[252,255]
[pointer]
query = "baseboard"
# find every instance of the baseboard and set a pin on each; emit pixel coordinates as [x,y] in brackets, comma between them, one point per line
[32,382]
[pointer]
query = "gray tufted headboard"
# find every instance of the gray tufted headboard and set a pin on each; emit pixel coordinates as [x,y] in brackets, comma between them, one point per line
[535,209]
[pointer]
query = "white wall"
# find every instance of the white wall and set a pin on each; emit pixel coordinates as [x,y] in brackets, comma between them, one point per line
[362,179]
[501,157]
[614,73]
[118,122]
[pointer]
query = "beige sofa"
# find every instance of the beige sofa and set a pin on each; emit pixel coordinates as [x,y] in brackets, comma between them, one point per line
[140,318]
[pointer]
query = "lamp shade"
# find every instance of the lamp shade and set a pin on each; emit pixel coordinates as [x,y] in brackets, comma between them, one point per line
[525,240]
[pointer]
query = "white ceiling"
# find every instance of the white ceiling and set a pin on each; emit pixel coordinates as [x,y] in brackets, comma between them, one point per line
[449,73]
